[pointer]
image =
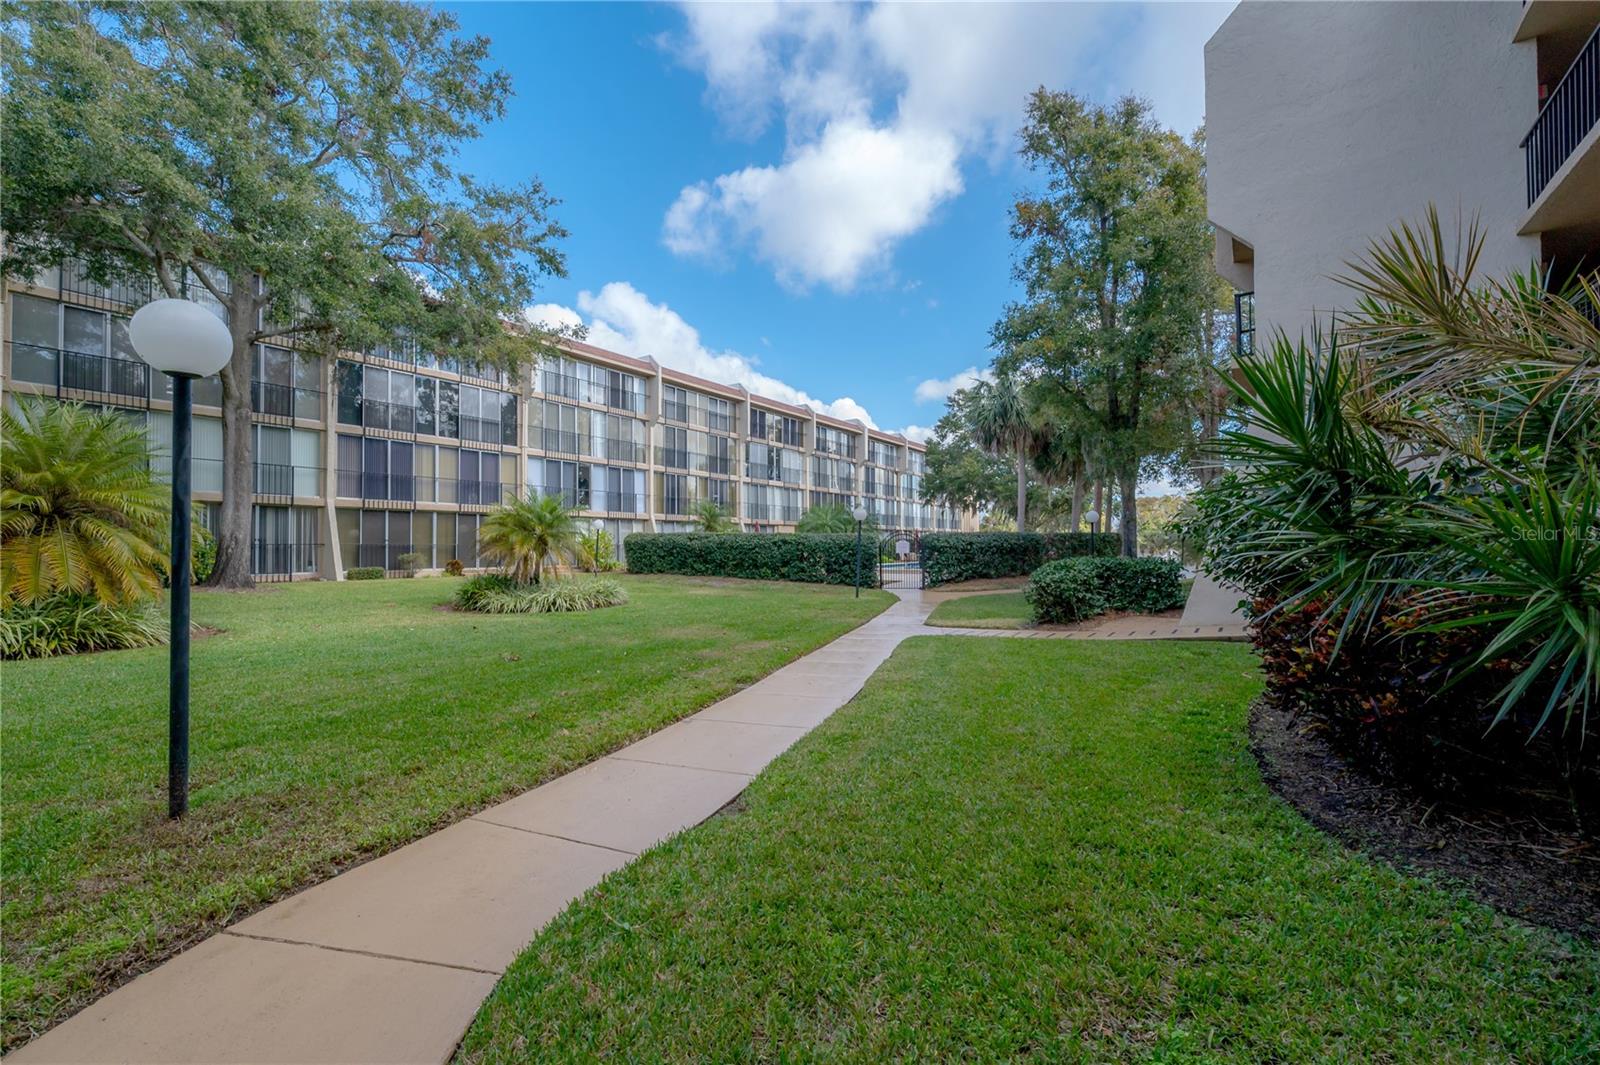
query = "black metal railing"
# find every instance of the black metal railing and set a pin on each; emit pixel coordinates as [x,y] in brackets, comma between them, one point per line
[276,479]
[386,556]
[272,558]
[772,512]
[396,417]
[411,488]
[594,499]
[118,382]
[1568,114]
[285,401]
[558,440]
[1244,323]
[118,294]
[678,458]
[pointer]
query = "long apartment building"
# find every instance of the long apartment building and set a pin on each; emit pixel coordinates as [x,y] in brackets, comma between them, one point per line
[365,457]
[1328,123]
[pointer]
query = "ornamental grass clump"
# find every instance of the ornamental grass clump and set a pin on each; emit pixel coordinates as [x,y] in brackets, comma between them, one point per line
[498,594]
[75,624]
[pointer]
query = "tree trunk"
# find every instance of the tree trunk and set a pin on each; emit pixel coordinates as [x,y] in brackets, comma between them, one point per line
[238,471]
[1078,488]
[1099,506]
[1022,491]
[1129,479]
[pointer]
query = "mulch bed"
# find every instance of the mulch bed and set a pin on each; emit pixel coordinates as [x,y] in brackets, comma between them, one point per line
[1518,862]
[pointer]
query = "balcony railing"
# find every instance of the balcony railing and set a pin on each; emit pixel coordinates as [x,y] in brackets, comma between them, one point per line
[411,488]
[285,401]
[111,380]
[385,555]
[1568,114]
[677,458]
[274,479]
[594,499]
[271,558]
[774,512]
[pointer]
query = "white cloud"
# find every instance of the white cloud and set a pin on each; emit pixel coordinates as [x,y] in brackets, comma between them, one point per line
[882,104]
[917,434]
[621,318]
[831,212]
[942,388]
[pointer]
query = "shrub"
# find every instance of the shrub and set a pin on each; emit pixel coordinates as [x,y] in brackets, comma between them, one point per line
[454,567]
[811,558]
[1064,592]
[498,594]
[364,573]
[410,562]
[203,557]
[1073,589]
[471,593]
[950,557]
[71,624]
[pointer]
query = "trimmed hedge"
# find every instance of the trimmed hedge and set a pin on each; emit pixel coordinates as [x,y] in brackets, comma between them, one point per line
[1073,589]
[364,573]
[813,558]
[950,557]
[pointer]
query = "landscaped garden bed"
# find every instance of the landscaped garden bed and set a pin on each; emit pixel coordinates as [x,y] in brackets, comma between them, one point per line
[1041,850]
[331,722]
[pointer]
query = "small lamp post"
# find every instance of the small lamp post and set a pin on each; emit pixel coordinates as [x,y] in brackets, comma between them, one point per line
[859,513]
[184,341]
[1093,518]
[594,556]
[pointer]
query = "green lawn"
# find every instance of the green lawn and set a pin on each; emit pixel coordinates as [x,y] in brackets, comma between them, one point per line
[998,610]
[331,722]
[1052,851]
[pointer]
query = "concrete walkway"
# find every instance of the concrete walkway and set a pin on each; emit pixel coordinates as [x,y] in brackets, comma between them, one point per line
[389,961]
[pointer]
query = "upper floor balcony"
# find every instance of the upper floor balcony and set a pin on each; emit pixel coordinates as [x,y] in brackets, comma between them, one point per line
[1561,152]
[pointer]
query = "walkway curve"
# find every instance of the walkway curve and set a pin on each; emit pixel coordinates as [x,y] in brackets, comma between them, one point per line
[389,961]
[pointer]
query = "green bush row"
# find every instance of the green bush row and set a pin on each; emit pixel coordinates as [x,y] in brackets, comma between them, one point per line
[815,558]
[950,557]
[1073,589]
[364,573]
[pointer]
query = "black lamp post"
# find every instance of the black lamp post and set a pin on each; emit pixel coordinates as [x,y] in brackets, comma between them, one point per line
[184,341]
[1093,518]
[859,513]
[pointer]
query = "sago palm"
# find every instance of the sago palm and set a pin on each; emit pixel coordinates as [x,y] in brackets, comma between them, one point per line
[79,510]
[712,518]
[523,534]
[827,518]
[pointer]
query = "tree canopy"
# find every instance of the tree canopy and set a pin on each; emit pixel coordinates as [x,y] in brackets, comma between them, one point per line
[293,163]
[1114,264]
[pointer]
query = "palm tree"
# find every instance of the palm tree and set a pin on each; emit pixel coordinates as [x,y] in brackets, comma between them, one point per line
[827,518]
[1004,424]
[523,533]
[80,512]
[712,518]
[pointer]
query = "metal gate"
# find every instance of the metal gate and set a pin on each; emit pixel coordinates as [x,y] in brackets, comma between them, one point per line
[899,558]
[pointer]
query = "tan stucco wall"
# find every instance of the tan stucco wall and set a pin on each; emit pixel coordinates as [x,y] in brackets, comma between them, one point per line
[1327,123]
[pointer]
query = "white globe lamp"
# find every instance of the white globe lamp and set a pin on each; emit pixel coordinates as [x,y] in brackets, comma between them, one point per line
[184,341]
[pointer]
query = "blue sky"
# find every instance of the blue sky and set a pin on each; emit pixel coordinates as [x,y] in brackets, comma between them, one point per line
[808,200]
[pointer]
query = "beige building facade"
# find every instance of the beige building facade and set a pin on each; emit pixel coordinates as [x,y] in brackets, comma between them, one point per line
[367,456]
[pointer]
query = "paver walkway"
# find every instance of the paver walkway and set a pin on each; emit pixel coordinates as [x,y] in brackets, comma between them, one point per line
[389,961]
